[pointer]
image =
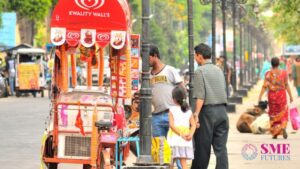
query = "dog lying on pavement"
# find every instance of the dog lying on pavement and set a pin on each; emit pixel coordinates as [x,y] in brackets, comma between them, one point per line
[254,120]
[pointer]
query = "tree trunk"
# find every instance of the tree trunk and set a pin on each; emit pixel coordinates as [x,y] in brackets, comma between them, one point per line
[26,28]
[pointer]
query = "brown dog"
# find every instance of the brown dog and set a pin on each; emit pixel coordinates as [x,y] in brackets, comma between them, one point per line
[246,119]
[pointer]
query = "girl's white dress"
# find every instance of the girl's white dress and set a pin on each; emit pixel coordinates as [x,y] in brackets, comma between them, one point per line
[180,147]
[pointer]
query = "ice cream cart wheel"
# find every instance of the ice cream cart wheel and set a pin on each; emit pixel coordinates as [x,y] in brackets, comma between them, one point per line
[87,166]
[42,93]
[105,158]
[52,166]
[34,94]
[18,93]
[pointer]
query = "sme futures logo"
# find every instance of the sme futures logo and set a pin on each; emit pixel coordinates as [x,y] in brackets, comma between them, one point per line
[268,152]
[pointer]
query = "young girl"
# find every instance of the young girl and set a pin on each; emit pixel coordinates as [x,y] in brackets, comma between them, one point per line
[182,128]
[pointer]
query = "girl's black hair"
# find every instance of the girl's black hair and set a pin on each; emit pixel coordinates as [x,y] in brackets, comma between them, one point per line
[179,95]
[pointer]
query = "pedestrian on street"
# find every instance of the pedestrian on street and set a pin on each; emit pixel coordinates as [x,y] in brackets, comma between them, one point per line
[266,67]
[182,128]
[289,66]
[276,82]
[282,62]
[228,70]
[10,68]
[163,80]
[296,74]
[210,111]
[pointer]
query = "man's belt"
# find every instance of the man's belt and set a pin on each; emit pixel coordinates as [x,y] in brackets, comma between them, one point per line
[161,112]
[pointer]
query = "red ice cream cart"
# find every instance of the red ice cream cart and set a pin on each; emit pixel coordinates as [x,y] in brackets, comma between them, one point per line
[87,119]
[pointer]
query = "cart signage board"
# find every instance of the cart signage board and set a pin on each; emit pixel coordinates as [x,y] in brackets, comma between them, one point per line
[103,38]
[58,36]
[118,39]
[135,60]
[88,21]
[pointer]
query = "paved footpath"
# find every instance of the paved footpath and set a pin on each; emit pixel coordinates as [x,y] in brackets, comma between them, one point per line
[22,124]
[236,141]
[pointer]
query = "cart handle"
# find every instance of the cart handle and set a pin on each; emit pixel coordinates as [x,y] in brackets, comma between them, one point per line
[84,104]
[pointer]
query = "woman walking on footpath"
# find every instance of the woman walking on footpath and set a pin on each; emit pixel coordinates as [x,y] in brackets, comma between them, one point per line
[276,82]
[296,75]
[182,128]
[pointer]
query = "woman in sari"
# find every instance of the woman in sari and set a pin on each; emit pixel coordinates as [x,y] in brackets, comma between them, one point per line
[276,83]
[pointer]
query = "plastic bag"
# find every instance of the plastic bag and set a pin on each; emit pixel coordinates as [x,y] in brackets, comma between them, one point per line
[161,151]
[295,118]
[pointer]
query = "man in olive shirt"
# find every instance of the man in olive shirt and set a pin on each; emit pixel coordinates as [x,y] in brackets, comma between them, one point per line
[210,111]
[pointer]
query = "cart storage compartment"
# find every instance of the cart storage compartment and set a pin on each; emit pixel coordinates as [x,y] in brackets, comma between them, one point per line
[74,146]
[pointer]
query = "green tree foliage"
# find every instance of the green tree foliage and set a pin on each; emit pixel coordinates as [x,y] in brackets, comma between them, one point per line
[168,24]
[35,10]
[40,36]
[168,27]
[2,7]
[286,20]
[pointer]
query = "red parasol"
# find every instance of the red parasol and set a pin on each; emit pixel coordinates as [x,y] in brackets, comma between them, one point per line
[89,21]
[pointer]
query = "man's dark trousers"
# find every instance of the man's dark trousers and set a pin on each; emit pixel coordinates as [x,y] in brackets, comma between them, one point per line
[214,126]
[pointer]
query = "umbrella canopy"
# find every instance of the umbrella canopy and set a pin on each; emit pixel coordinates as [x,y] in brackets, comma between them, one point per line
[90,21]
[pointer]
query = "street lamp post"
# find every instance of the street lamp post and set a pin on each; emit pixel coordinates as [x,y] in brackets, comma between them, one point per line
[246,48]
[231,107]
[246,42]
[241,47]
[145,159]
[257,52]
[145,108]
[234,45]
[191,52]
[213,26]
[241,91]
[253,60]
[223,6]
[234,7]
[235,98]
[250,55]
